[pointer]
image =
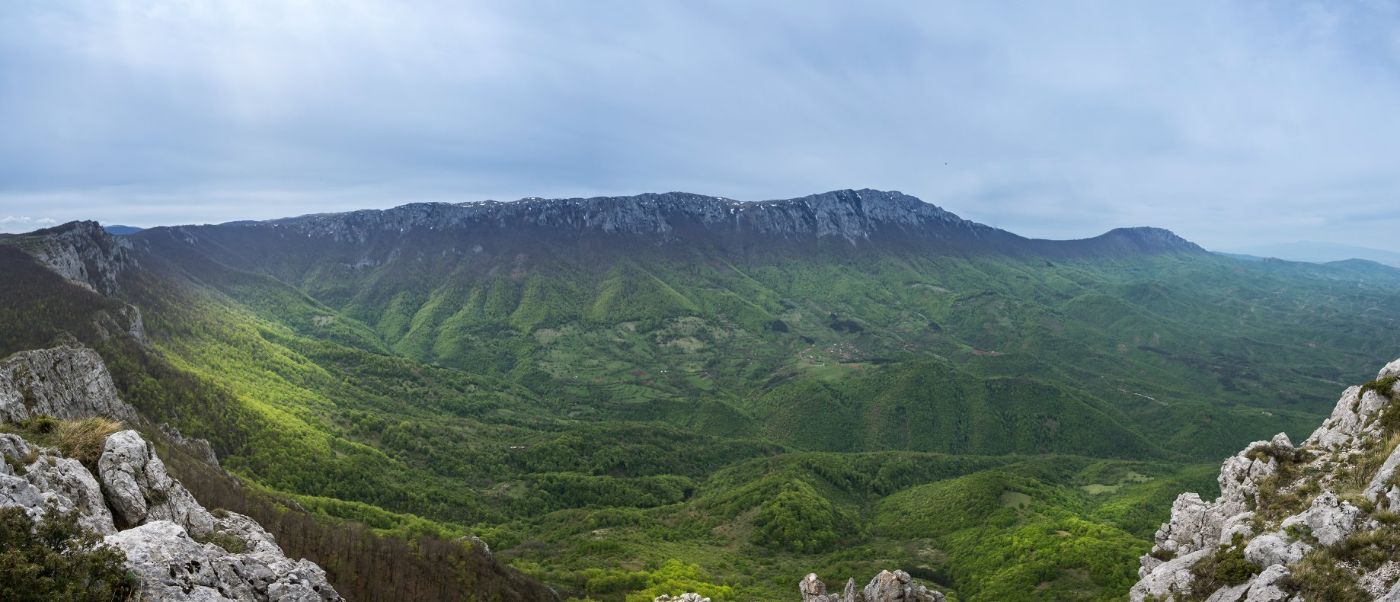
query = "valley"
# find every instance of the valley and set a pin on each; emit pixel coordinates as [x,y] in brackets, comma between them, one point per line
[634,396]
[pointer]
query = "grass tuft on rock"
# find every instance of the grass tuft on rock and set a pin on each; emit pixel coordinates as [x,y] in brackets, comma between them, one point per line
[84,439]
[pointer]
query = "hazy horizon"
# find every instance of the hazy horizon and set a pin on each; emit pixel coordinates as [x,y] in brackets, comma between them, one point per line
[1233,124]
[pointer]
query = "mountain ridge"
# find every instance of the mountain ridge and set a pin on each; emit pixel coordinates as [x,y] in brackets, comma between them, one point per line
[854,216]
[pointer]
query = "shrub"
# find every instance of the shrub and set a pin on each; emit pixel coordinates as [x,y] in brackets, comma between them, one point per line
[230,543]
[1224,568]
[57,560]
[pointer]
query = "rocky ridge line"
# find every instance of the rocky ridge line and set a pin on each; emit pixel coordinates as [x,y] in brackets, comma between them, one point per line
[852,216]
[132,501]
[1293,521]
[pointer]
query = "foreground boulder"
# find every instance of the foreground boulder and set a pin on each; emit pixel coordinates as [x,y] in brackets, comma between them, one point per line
[1317,521]
[175,548]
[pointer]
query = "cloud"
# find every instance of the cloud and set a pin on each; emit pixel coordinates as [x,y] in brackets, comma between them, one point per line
[23,223]
[1231,122]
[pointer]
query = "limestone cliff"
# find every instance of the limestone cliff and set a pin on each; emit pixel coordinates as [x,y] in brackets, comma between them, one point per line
[65,382]
[1316,521]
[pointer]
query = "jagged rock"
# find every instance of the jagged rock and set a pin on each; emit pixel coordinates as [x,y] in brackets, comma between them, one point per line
[199,448]
[1351,419]
[67,382]
[887,586]
[1190,526]
[139,489]
[1329,520]
[1170,578]
[1380,486]
[173,566]
[811,588]
[33,477]
[168,562]
[126,320]
[1264,587]
[83,253]
[1275,548]
[898,587]
[686,597]
[1317,471]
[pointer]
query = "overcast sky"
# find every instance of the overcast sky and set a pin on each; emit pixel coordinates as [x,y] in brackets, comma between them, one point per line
[1232,123]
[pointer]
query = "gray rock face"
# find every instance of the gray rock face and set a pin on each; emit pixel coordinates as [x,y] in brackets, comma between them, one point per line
[199,448]
[159,547]
[887,586]
[139,490]
[849,214]
[83,253]
[172,566]
[63,382]
[851,217]
[1315,514]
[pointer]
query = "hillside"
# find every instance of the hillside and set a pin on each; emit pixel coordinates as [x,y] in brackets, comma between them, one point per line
[633,396]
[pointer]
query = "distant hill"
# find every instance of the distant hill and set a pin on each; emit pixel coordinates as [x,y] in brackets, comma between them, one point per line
[120,230]
[1320,252]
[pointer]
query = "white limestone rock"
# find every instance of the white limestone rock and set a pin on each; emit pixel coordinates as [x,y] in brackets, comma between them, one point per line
[1328,519]
[139,490]
[66,382]
[173,566]
[1169,579]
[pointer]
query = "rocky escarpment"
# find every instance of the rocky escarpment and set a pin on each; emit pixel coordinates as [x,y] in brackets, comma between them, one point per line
[65,382]
[887,586]
[847,214]
[177,549]
[1316,521]
[83,253]
[849,217]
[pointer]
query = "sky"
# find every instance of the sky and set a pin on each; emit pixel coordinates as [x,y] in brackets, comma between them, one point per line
[1232,123]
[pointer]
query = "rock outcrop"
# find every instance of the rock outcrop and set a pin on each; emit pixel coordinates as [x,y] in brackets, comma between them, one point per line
[177,549]
[1325,513]
[67,382]
[139,490]
[158,525]
[887,586]
[83,253]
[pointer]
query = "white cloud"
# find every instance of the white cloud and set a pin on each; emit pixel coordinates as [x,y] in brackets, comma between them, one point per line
[23,223]
[1232,122]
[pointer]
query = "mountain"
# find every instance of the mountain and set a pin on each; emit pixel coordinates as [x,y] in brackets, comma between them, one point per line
[120,230]
[1321,252]
[636,396]
[1311,522]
